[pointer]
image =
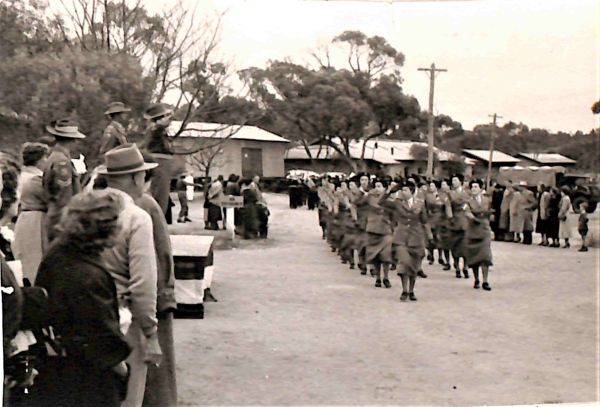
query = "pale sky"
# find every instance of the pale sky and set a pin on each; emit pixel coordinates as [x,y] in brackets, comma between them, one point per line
[534,61]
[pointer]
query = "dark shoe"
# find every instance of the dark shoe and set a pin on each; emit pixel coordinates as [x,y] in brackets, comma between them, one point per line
[486,287]
[180,221]
[412,297]
[393,267]
[566,246]
[541,244]
[466,273]
[458,275]
[187,219]
[583,249]
[372,273]
[351,266]
[208,297]
[476,285]
[344,261]
[387,283]
[447,266]
[404,297]
[363,272]
[441,262]
[421,274]
[431,262]
[333,250]
[378,283]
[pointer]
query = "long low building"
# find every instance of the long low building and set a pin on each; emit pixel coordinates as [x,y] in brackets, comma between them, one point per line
[389,157]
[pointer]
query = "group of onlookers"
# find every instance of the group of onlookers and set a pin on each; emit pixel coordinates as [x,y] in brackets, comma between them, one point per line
[518,204]
[89,297]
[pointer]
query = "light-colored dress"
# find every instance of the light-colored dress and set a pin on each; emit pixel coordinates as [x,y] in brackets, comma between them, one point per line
[565,226]
[30,235]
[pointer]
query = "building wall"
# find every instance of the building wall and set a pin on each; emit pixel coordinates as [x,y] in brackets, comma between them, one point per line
[525,162]
[230,160]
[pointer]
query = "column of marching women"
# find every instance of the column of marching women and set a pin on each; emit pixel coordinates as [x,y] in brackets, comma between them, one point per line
[88,313]
[384,225]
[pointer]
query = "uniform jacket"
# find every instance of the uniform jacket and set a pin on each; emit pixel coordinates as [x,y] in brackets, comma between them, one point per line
[114,135]
[157,141]
[458,200]
[479,224]
[83,307]
[411,221]
[379,218]
[60,182]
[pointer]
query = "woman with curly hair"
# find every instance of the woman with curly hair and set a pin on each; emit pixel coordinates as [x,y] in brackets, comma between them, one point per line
[30,240]
[83,308]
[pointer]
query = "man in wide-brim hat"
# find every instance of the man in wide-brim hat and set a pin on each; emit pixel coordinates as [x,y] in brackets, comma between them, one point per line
[60,179]
[115,133]
[157,143]
[132,263]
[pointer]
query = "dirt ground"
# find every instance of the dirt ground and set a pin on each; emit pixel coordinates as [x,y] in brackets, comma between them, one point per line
[295,326]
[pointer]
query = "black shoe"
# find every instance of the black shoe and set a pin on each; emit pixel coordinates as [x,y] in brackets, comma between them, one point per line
[187,219]
[333,250]
[541,244]
[421,274]
[486,287]
[404,297]
[372,273]
[351,266]
[387,283]
[476,285]
[458,275]
[431,262]
[566,246]
[466,273]
[208,297]
[344,261]
[393,267]
[583,249]
[412,297]
[180,221]
[447,266]
[441,262]
[378,283]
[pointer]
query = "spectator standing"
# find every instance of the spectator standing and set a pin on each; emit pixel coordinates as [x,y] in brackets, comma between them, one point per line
[132,266]
[115,134]
[59,179]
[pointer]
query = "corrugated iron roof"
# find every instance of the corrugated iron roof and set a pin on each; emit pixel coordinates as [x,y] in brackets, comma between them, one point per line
[548,158]
[219,130]
[484,155]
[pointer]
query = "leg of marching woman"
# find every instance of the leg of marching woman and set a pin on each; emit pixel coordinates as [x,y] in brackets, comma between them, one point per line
[377,267]
[476,276]
[386,271]
[405,287]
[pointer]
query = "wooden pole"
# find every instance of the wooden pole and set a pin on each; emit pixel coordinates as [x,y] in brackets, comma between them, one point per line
[488,182]
[431,71]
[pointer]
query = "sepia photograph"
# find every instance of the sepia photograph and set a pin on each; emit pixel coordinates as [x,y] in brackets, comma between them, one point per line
[300,202]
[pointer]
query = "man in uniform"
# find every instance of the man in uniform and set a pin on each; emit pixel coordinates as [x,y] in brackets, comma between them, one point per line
[60,180]
[115,134]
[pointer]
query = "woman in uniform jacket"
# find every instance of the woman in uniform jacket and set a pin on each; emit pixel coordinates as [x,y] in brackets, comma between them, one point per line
[410,234]
[458,225]
[83,309]
[479,234]
[435,204]
[379,235]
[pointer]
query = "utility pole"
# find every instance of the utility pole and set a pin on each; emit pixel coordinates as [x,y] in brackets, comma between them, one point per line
[432,71]
[492,136]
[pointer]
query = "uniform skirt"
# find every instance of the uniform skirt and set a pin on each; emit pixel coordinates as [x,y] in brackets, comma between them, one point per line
[478,241]
[409,258]
[30,241]
[378,248]
[456,242]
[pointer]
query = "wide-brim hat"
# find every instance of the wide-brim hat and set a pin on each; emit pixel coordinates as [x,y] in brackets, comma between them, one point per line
[157,110]
[65,128]
[116,107]
[124,159]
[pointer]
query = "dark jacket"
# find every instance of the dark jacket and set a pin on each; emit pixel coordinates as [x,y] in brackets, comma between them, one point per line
[83,306]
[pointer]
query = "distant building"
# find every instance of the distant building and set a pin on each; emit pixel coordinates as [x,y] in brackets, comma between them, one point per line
[477,161]
[385,157]
[545,159]
[241,150]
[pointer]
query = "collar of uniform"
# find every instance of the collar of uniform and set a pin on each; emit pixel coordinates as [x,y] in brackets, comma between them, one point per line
[126,197]
[118,125]
[30,169]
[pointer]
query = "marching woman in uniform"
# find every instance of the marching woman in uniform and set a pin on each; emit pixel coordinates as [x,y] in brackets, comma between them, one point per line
[409,236]
[435,214]
[352,232]
[458,224]
[379,236]
[479,234]
[444,232]
[324,205]
[361,203]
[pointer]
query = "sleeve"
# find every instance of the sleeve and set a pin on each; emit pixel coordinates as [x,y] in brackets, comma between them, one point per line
[143,272]
[108,140]
[105,345]
[58,182]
